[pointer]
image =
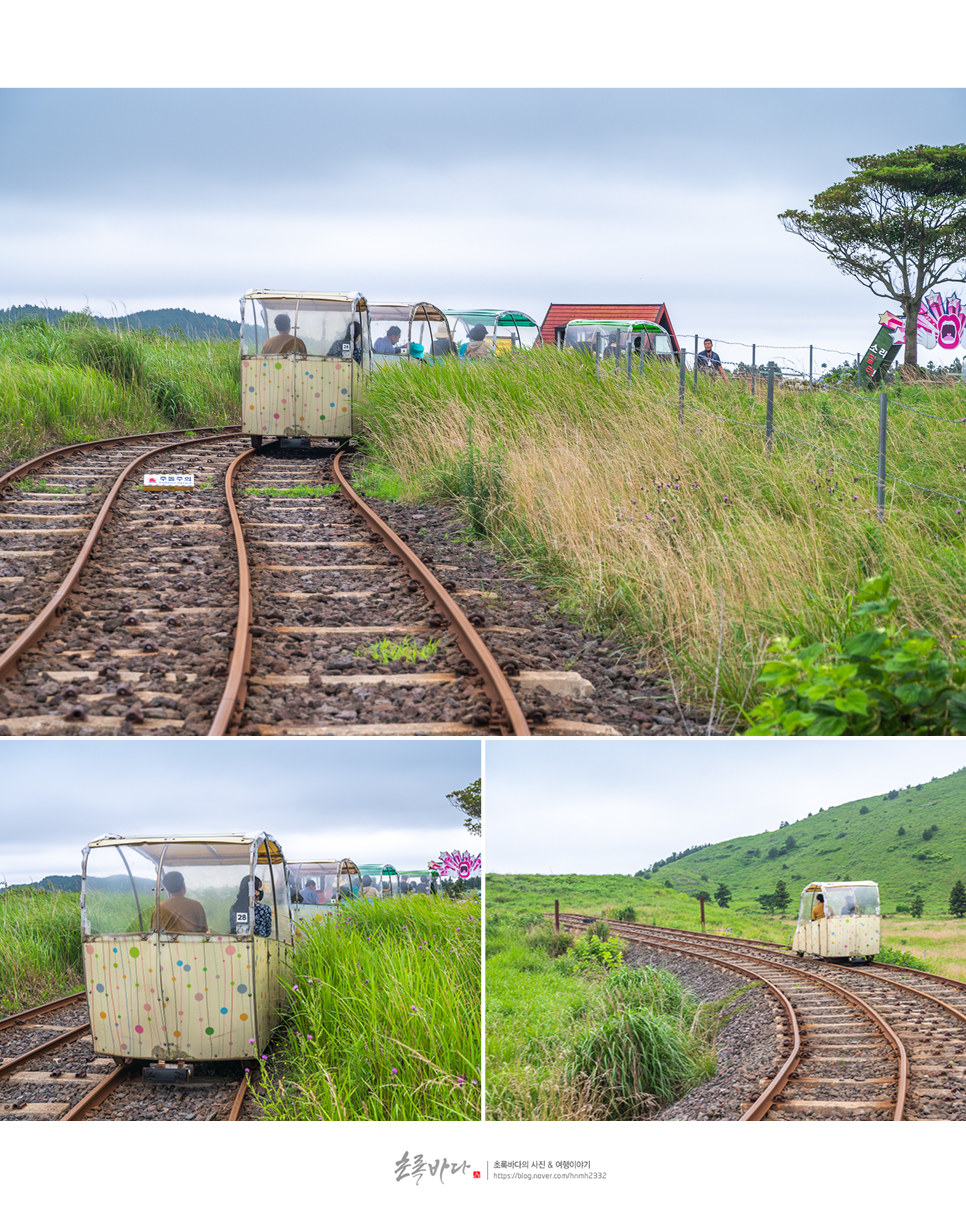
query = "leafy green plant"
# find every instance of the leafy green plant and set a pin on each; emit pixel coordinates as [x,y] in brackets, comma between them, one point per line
[878,679]
[386,650]
[590,955]
[39,484]
[896,956]
[625,914]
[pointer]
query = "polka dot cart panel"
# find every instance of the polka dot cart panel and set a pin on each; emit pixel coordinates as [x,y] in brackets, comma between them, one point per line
[283,396]
[188,999]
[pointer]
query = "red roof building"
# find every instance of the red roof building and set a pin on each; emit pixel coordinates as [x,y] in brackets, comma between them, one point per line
[559,315]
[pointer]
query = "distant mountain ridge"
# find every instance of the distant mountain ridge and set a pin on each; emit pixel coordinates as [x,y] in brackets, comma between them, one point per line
[192,325]
[859,840]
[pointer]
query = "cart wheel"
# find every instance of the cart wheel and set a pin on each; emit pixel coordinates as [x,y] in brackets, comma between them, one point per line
[801,954]
[869,960]
[256,443]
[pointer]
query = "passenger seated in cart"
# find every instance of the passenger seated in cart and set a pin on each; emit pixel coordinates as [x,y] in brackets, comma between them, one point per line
[441,343]
[367,887]
[476,347]
[239,910]
[283,343]
[309,894]
[848,903]
[388,345]
[180,915]
[353,335]
[818,910]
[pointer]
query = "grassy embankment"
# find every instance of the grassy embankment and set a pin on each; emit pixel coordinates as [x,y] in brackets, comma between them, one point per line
[688,541]
[591,1043]
[385,1024]
[72,382]
[843,842]
[40,947]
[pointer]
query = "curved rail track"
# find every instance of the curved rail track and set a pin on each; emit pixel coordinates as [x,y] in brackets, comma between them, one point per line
[49,1072]
[857,1043]
[135,643]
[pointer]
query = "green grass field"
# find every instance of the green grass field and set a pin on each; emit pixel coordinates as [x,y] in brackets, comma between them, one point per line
[690,541]
[72,381]
[385,1024]
[40,947]
[568,1040]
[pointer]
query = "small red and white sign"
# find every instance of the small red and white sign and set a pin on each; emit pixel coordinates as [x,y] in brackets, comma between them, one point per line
[163,482]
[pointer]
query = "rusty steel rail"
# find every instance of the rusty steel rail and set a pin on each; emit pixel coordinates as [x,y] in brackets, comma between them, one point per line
[654,938]
[61,1039]
[108,442]
[240,1095]
[98,1093]
[57,604]
[225,721]
[471,645]
[852,969]
[28,1013]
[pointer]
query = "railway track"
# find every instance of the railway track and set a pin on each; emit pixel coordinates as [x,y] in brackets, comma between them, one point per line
[856,1043]
[49,1072]
[227,610]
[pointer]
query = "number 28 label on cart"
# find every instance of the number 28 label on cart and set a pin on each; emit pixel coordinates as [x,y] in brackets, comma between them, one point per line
[153,482]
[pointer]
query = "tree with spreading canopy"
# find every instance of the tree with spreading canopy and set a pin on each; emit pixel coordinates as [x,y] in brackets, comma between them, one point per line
[469,800]
[957,899]
[897,225]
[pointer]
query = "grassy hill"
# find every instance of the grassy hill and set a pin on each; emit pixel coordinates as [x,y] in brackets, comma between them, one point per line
[191,324]
[859,840]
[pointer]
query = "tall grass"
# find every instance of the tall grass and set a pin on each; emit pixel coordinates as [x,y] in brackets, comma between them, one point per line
[689,539]
[73,381]
[40,947]
[586,1046]
[385,1024]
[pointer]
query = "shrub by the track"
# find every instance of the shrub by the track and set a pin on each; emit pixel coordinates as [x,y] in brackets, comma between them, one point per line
[385,1024]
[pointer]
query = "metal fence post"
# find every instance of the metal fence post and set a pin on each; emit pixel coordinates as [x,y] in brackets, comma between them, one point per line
[702,912]
[556,914]
[810,363]
[684,372]
[754,369]
[695,363]
[858,370]
[597,357]
[770,410]
[883,416]
[630,353]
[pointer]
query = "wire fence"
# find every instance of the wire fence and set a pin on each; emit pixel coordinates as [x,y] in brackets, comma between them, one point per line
[626,363]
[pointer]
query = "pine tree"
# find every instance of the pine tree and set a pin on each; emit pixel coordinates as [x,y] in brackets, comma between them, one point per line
[957,899]
[722,895]
[782,897]
[917,906]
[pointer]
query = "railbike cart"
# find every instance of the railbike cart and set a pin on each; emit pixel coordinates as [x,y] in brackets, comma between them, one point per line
[181,963]
[420,881]
[383,877]
[423,332]
[846,924]
[506,329]
[336,881]
[305,357]
[618,340]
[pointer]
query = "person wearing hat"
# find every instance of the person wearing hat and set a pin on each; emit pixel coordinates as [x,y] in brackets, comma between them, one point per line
[441,343]
[283,343]
[476,348]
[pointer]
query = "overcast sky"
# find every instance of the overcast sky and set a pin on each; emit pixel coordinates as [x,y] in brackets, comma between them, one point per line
[373,801]
[617,806]
[135,199]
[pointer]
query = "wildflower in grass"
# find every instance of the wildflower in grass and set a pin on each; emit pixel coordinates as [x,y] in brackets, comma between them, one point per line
[395,1070]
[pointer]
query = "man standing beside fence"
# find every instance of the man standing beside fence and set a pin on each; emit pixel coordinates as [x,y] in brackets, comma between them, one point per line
[710,361]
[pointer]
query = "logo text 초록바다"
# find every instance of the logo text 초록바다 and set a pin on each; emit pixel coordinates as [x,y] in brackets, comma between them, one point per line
[417,1167]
